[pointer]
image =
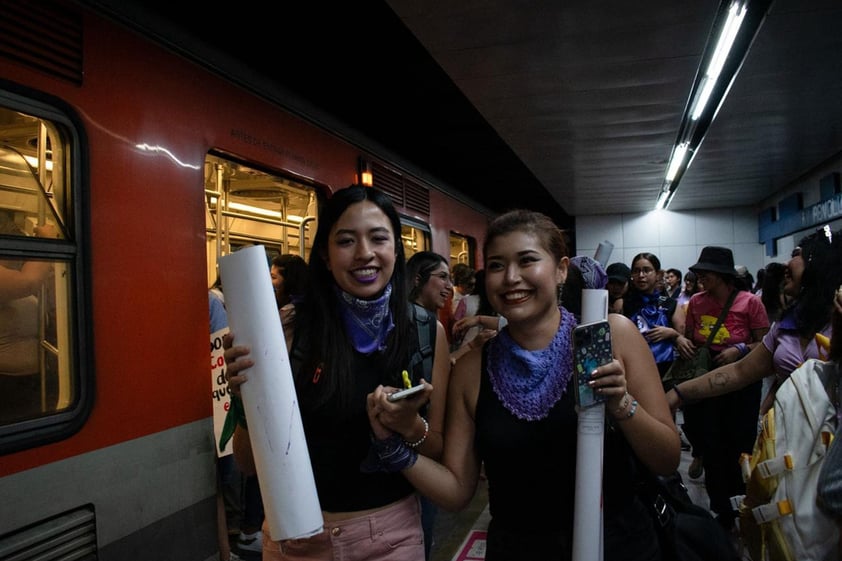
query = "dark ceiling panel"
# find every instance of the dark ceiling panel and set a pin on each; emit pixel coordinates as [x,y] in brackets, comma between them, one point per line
[568,107]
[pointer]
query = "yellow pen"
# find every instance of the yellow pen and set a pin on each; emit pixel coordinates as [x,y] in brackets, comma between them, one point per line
[407,383]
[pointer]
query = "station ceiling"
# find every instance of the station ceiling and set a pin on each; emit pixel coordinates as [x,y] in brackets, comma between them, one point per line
[567,107]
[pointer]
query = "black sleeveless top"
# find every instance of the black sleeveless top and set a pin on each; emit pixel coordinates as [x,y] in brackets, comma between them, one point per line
[338,446]
[532,463]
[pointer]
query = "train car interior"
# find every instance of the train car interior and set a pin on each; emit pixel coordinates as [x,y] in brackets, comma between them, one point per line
[39,372]
[248,206]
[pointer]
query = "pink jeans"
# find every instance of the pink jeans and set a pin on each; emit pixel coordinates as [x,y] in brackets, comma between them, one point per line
[392,533]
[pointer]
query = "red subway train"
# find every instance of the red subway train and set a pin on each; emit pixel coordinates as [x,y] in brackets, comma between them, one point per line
[126,171]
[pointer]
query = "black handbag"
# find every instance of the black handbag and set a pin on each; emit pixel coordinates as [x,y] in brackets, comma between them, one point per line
[686,531]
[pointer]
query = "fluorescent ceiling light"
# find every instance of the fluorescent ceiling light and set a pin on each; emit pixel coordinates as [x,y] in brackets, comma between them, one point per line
[678,156]
[250,209]
[255,210]
[705,90]
[736,14]
[662,199]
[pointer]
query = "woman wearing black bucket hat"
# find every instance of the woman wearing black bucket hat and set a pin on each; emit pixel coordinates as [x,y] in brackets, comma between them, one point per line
[722,427]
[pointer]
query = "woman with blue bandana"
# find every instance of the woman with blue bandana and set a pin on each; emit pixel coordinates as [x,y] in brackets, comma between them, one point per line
[656,315]
[354,333]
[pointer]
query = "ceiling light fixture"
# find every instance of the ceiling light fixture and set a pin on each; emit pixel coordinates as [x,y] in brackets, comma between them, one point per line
[250,209]
[663,199]
[736,14]
[679,154]
[734,28]
[366,176]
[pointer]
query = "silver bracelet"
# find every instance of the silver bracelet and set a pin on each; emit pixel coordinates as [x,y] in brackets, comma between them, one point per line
[630,414]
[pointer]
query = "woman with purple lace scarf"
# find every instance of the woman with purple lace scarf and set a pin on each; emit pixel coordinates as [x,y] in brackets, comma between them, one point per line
[511,406]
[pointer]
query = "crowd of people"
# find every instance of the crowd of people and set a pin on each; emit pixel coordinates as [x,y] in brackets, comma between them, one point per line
[498,402]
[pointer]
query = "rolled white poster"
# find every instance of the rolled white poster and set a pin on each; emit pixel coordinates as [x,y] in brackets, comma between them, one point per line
[594,304]
[603,252]
[290,500]
[587,514]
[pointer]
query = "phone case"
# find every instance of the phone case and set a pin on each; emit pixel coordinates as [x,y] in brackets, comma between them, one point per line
[403,394]
[591,348]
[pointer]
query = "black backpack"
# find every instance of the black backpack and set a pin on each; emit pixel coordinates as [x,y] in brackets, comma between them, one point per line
[425,325]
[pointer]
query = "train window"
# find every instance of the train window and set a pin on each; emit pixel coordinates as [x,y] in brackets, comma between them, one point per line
[246,206]
[462,250]
[415,237]
[41,392]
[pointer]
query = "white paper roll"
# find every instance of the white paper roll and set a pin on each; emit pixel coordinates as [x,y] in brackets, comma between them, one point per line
[290,500]
[594,304]
[603,252]
[587,517]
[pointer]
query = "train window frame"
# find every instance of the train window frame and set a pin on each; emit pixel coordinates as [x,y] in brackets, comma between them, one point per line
[63,160]
[221,216]
[411,229]
[467,246]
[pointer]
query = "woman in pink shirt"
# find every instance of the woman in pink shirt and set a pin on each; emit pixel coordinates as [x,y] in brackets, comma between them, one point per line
[722,427]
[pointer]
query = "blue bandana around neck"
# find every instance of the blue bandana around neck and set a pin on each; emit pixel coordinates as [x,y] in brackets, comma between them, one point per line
[367,322]
[654,314]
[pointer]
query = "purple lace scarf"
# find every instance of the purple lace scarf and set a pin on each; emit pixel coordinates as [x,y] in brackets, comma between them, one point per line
[367,322]
[530,383]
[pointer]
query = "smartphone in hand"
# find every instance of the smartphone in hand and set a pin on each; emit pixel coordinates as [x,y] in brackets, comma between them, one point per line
[403,394]
[591,349]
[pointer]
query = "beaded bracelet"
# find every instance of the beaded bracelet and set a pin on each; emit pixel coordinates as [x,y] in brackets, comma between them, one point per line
[630,414]
[421,440]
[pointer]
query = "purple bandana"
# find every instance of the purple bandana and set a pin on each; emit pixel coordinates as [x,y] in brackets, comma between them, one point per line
[530,383]
[367,322]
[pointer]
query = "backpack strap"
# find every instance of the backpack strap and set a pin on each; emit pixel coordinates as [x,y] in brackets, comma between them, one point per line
[772,511]
[425,326]
[775,466]
[296,355]
[721,317]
